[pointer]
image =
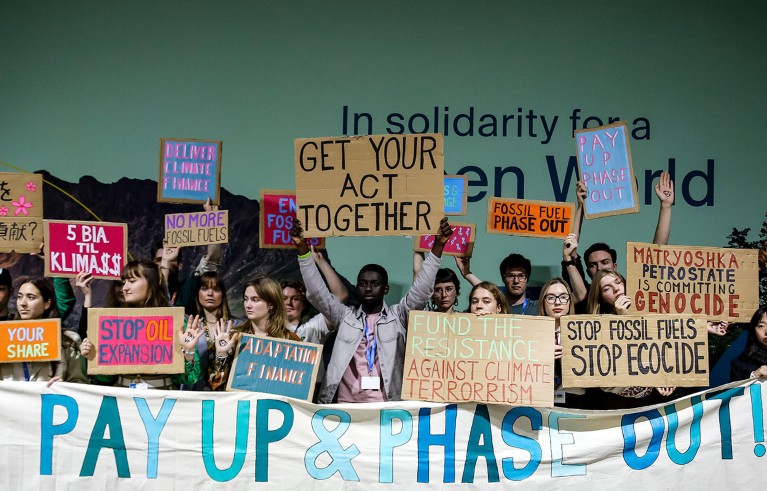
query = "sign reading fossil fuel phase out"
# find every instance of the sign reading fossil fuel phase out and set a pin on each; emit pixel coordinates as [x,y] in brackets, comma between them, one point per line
[370,185]
[632,350]
[275,366]
[21,212]
[197,228]
[529,218]
[604,165]
[719,284]
[30,340]
[461,243]
[278,211]
[136,341]
[98,248]
[190,171]
[497,359]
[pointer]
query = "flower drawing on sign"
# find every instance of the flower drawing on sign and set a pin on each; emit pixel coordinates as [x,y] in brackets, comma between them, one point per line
[3,211]
[21,206]
[31,187]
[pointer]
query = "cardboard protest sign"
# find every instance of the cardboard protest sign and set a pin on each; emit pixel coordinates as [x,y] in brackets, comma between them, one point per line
[136,341]
[370,185]
[456,195]
[604,165]
[275,366]
[529,218]
[497,359]
[21,212]
[30,340]
[197,228]
[190,171]
[99,248]
[720,284]
[461,243]
[633,350]
[278,210]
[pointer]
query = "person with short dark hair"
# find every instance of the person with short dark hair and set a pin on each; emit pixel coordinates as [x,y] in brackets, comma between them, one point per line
[752,363]
[366,364]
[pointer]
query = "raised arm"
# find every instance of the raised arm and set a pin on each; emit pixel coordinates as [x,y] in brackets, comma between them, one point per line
[570,263]
[580,194]
[335,284]
[316,291]
[665,192]
[423,285]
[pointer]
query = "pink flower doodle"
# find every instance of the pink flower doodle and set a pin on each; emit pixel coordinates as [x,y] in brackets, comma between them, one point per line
[3,211]
[31,187]
[21,206]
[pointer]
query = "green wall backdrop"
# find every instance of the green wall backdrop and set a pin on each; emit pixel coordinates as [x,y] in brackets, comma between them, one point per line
[89,87]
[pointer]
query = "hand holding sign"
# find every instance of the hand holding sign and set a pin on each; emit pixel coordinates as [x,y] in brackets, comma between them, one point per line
[569,246]
[297,234]
[442,237]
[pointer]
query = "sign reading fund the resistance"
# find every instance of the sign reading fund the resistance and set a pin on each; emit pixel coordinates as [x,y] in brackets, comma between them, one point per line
[278,211]
[604,165]
[275,366]
[136,341]
[496,359]
[629,350]
[720,284]
[529,218]
[190,171]
[21,212]
[98,248]
[30,340]
[197,228]
[370,185]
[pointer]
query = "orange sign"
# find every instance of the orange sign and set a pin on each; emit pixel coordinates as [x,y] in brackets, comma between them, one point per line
[35,340]
[529,218]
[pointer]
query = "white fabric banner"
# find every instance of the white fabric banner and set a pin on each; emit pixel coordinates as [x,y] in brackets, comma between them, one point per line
[89,437]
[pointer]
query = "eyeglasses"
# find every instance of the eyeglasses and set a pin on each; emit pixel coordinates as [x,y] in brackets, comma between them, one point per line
[515,276]
[552,299]
[448,290]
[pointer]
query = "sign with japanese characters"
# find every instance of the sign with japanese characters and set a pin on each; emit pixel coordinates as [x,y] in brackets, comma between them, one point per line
[461,243]
[190,171]
[99,248]
[21,212]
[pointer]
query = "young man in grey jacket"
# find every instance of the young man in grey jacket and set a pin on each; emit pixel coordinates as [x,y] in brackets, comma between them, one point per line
[369,351]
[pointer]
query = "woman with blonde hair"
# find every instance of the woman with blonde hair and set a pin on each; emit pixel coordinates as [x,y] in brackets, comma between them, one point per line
[485,298]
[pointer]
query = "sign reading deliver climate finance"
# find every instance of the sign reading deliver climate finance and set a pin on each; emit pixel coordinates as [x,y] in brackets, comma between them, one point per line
[370,185]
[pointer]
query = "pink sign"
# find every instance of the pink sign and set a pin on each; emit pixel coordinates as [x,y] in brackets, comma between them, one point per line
[95,247]
[461,243]
[131,341]
[126,340]
[278,211]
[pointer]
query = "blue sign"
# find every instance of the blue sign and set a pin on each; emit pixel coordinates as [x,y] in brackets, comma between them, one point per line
[275,366]
[604,166]
[190,171]
[455,195]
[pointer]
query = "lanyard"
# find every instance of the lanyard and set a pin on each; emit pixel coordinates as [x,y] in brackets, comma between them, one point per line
[370,350]
[26,371]
[524,305]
